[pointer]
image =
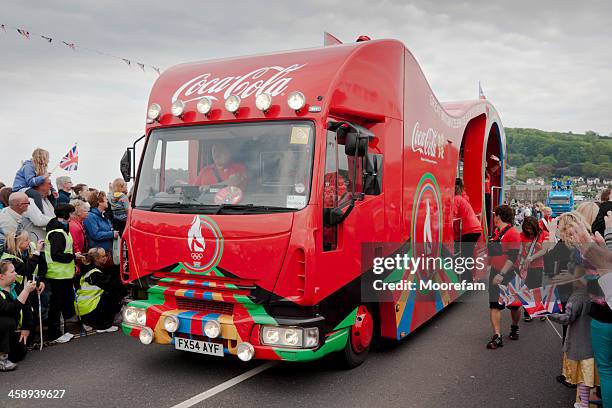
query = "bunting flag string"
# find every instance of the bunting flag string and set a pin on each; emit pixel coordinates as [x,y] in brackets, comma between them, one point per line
[26,35]
[70,45]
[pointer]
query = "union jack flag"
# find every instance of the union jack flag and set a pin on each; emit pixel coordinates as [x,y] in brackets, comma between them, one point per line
[70,162]
[537,302]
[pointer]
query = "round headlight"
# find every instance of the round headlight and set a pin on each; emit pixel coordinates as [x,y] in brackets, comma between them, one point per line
[171,324]
[232,103]
[271,335]
[141,317]
[145,335]
[245,351]
[204,105]
[212,329]
[129,314]
[154,111]
[178,107]
[296,100]
[263,102]
[291,337]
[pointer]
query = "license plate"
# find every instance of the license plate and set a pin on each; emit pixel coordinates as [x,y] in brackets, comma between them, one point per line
[197,346]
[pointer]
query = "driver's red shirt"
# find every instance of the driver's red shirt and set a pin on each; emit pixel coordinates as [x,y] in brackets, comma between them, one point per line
[207,175]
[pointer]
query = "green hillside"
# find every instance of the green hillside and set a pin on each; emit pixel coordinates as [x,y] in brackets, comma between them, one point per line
[536,153]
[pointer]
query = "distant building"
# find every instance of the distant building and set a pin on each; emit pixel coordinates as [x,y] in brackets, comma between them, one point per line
[524,192]
[592,181]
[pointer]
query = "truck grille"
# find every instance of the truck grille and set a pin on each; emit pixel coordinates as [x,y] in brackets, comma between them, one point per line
[206,306]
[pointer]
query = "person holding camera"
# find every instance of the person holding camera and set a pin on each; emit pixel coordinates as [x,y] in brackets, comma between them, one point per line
[15,317]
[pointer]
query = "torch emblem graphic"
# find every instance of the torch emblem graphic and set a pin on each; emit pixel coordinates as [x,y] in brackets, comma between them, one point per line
[196,242]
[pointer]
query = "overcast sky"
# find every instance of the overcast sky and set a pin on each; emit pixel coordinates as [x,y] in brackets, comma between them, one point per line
[545,64]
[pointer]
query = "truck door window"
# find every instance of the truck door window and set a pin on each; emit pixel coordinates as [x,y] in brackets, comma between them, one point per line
[337,181]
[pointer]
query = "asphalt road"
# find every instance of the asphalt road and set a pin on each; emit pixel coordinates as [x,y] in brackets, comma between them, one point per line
[444,364]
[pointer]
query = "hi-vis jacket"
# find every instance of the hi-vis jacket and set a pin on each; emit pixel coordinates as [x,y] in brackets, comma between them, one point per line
[11,307]
[58,251]
[88,296]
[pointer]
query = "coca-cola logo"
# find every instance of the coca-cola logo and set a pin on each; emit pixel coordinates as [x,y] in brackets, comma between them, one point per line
[427,142]
[272,80]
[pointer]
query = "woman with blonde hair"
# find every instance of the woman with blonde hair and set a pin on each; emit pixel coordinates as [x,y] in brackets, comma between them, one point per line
[33,173]
[600,312]
[98,299]
[589,211]
[24,257]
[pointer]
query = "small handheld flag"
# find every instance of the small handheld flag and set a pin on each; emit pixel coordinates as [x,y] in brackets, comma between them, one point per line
[70,162]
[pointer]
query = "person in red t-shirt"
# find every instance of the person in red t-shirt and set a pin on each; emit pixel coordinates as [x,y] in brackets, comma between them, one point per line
[503,253]
[223,170]
[467,226]
[531,255]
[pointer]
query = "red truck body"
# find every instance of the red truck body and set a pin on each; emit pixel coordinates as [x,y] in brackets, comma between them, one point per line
[247,271]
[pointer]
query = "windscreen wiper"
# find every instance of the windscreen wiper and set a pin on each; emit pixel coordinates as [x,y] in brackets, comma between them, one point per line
[179,207]
[251,208]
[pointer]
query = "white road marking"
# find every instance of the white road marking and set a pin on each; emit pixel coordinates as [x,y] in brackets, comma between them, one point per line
[224,386]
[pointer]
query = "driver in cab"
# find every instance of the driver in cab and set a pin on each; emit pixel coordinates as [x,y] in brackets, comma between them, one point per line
[223,170]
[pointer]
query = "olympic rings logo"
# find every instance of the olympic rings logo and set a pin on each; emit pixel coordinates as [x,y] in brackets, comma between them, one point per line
[197,256]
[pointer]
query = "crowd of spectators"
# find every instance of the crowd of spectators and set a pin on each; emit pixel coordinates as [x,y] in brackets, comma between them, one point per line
[57,264]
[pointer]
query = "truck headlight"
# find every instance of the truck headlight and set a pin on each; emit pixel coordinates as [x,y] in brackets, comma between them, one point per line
[135,315]
[232,103]
[245,351]
[296,100]
[263,102]
[177,108]
[294,337]
[204,105]
[141,317]
[171,323]
[154,111]
[145,335]
[212,329]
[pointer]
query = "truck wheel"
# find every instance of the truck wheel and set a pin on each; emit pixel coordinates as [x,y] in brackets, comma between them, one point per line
[360,339]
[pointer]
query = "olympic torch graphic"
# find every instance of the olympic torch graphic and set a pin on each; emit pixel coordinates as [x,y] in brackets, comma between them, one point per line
[196,242]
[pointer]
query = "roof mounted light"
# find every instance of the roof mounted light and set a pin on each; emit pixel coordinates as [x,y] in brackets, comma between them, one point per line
[296,100]
[178,107]
[153,112]
[232,103]
[204,105]
[263,102]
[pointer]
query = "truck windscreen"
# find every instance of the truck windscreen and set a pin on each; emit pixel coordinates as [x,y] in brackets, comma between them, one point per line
[230,168]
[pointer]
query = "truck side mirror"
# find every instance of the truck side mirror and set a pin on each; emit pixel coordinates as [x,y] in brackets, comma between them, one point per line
[372,174]
[355,144]
[126,165]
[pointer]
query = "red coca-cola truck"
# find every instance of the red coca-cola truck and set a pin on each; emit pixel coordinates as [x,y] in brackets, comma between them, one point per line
[268,183]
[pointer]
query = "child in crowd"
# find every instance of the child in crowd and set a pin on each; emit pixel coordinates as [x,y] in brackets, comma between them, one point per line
[33,173]
[578,360]
[119,204]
